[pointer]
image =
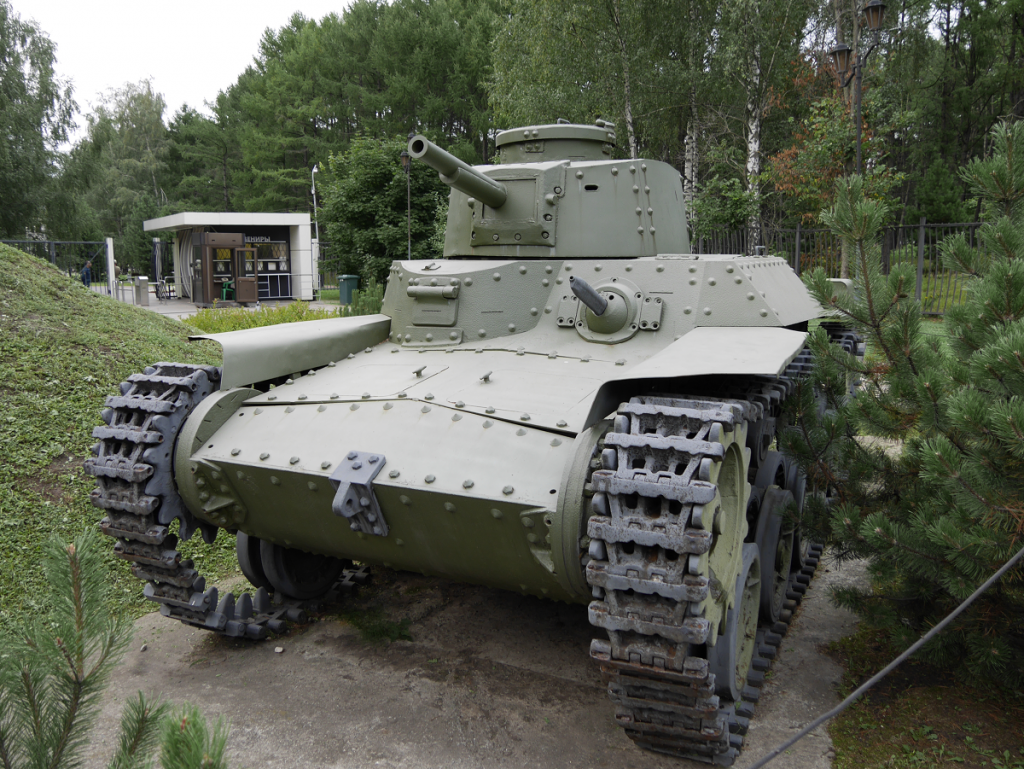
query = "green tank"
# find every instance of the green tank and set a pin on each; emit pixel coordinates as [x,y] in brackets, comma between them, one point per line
[569,405]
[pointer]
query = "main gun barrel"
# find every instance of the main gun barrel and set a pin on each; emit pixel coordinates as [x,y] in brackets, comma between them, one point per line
[457,174]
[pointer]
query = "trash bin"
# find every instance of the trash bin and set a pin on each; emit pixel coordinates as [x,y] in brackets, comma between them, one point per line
[142,291]
[346,285]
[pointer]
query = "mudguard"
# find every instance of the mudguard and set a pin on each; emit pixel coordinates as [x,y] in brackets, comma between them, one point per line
[258,354]
[702,352]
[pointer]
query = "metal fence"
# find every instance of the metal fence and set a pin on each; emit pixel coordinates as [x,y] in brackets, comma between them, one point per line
[329,264]
[936,287]
[806,249]
[69,256]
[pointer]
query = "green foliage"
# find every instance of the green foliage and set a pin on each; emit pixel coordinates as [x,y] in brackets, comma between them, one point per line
[63,350]
[52,673]
[365,206]
[365,301]
[378,69]
[186,741]
[633,63]
[925,462]
[36,112]
[824,145]
[722,204]
[122,164]
[214,320]
[55,667]
[204,158]
[440,223]
[940,197]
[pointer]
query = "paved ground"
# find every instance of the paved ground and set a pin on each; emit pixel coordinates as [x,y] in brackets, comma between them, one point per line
[490,679]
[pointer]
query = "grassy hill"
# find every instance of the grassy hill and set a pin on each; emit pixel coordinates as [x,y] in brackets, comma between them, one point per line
[63,349]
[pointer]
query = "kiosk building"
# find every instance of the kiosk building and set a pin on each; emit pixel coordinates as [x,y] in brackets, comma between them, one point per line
[239,257]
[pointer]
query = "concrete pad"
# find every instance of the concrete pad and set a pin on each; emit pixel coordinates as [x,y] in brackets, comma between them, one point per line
[490,679]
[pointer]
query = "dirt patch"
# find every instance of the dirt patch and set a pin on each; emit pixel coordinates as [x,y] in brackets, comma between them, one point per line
[49,484]
[489,678]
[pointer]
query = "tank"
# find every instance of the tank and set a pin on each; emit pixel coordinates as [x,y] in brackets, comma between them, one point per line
[569,405]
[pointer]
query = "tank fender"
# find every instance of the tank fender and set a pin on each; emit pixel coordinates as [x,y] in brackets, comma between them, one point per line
[739,351]
[257,354]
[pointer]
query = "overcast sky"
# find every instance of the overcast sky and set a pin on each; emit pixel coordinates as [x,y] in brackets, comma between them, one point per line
[189,49]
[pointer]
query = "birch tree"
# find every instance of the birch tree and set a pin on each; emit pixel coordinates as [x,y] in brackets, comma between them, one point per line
[761,40]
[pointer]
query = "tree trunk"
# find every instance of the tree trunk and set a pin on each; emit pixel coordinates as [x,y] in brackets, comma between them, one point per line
[626,85]
[690,157]
[753,136]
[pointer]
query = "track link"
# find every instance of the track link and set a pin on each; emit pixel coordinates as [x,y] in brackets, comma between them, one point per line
[134,484]
[652,522]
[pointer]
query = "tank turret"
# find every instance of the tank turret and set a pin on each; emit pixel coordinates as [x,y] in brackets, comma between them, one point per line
[557,193]
[571,406]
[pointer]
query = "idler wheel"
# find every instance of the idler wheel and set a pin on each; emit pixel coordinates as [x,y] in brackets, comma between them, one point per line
[249,560]
[299,574]
[731,656]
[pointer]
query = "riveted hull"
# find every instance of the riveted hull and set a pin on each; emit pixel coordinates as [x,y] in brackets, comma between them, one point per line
[465,496]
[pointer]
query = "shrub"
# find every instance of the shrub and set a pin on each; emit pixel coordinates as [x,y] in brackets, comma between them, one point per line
[216,321]
[936,505]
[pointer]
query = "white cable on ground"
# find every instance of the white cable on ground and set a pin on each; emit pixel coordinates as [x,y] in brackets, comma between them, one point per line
[890,667]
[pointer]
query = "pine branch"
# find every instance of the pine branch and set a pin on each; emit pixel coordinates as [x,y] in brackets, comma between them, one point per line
[140,723]
[32,699]
[66,733]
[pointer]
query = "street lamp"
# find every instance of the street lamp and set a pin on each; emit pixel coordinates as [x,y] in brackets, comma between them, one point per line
[874,11]
[312,176]
[407,166]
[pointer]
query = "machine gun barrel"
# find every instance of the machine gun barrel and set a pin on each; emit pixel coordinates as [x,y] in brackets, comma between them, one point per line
[588,295]
[457,174]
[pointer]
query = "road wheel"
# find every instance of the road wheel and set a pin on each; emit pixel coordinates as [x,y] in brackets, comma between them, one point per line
[249,560]
[299,574]
[731,656]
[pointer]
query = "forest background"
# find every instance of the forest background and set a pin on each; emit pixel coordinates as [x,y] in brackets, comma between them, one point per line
[741,97]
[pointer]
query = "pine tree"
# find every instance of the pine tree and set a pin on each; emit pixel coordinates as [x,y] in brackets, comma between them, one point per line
[53,672]
[924,464]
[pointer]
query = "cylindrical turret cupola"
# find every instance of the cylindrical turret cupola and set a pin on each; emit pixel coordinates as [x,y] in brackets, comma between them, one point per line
[560,141]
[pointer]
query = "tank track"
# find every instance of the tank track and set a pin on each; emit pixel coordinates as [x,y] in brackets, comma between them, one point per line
[134,484]
[645,574]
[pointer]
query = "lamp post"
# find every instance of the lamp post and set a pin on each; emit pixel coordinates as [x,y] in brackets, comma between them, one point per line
[312,176]
[874,11]
[407,167]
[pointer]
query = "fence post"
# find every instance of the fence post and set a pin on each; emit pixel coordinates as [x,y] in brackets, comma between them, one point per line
[920,258]
[110,267]
[52,248]
[796,262]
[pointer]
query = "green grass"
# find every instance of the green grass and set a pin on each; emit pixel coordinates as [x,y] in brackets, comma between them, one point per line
[941,292]
[375,627]
[218,320]
[920,717]
[63,349]
[330,295]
